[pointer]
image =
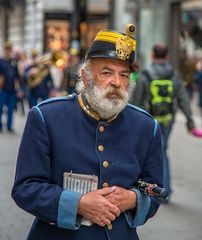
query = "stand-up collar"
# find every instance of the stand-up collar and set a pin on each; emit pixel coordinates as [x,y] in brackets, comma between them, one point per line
[88,110]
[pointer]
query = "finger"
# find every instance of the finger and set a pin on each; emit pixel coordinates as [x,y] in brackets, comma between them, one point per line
[111,216]
[114,210]
[106,221]
[107,190]
[103,223]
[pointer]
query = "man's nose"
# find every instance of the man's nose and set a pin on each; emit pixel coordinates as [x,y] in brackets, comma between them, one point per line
[116,81]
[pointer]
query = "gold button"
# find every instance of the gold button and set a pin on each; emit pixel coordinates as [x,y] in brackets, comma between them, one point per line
[109,227]
[51,223]
[101,148]
[101,128]
[105,164]
[104,185]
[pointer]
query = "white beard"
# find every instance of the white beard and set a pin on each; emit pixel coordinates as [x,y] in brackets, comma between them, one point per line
[105,107]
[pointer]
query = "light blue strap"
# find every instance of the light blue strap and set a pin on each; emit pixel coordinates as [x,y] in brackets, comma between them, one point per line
[155,127]
[40,113]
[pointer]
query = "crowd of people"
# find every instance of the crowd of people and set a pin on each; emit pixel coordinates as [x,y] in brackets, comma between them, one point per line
[33,79]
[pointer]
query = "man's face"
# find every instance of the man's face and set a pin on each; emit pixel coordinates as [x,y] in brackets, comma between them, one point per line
[8,52]
[107,86]
[110,74]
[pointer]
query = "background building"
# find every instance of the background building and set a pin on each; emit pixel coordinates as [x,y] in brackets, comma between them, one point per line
[178,23]
[158,20]
[49,24]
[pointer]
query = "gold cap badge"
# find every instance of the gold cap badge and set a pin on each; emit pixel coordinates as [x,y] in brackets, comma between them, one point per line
[125,43]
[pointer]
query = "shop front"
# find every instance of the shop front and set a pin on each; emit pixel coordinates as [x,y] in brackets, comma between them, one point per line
[57,32]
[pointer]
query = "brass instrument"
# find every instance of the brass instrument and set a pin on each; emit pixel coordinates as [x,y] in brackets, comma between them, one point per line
[38,76]
[41,70]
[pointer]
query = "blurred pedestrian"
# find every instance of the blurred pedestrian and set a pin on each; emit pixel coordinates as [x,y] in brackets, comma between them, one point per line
[70,72]
[187,70]
[10,85]
[22,63]
[56,70]
[38,78]
[198,81]
[98,135]
[158,89]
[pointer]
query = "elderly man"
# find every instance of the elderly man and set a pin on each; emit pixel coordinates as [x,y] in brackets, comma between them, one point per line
[97,135]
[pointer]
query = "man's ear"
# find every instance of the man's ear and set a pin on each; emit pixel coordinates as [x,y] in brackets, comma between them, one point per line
[84,77]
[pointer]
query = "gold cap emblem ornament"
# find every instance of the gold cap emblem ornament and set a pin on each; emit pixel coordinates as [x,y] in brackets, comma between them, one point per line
[125,44]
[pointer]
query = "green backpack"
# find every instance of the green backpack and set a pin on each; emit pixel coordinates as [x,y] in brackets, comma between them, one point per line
[161,99]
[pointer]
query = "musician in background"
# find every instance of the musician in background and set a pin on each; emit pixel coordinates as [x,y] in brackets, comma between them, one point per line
[38,79]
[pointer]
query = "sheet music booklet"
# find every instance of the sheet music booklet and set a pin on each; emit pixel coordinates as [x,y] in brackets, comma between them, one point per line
[81,183]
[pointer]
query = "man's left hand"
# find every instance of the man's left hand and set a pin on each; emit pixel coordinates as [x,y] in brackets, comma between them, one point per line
[123,199]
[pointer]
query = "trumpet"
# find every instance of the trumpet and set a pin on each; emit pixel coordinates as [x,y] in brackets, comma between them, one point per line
[56,58]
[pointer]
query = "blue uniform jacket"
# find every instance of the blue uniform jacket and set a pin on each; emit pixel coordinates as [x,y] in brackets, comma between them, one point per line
[60,137]
[44,88]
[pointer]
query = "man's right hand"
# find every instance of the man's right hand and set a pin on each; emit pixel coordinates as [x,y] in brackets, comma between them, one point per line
[94,207]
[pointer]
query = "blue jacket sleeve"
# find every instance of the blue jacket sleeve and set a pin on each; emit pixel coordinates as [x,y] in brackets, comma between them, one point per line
[33,190]
[147,206]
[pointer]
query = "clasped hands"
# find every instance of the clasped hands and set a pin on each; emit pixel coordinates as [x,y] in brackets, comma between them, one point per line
[104,205]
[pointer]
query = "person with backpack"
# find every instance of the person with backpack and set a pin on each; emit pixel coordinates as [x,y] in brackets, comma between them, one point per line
[159,89]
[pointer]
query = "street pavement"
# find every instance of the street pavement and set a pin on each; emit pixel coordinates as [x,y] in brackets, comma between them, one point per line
[14,221]
[179,220]
[182,218]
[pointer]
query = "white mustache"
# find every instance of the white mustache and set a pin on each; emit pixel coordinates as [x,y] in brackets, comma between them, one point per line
[117,91]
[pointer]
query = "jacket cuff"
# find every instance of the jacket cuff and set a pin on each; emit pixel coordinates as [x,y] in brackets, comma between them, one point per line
[143,206]
[67,210]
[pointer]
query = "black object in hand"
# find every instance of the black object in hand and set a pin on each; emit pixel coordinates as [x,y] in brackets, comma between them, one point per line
[152,189]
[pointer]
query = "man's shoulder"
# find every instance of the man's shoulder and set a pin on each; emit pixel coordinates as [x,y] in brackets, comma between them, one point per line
[143,117]
[53,100]
[140,111]
[53,107]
